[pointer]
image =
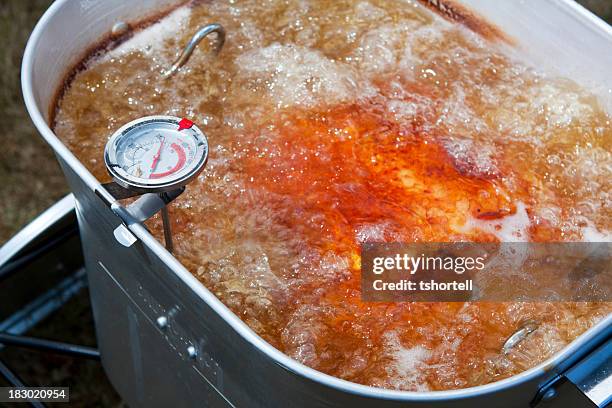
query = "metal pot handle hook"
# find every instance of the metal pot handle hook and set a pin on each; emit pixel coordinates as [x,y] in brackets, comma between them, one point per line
[193,43]
[521,334]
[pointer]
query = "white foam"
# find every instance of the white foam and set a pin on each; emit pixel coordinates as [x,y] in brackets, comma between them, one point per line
[469,158]
[560,106]
[457,116]
[300,334]
[407,370]
[395,47]
[408,108]
[590,233]
[383,48]
[533,113]
[373,232]
[152,38]
[366,11]
[512,228]
[292,75]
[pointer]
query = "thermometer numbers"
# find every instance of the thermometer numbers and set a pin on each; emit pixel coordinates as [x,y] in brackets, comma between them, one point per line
[154,155]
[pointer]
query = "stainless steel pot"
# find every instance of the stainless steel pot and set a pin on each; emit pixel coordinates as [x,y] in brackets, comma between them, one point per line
[165,339]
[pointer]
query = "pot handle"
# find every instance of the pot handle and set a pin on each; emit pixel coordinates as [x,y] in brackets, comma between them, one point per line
[193,43]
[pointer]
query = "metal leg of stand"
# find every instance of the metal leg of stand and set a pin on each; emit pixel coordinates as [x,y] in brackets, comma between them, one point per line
[12,378]
[58,347]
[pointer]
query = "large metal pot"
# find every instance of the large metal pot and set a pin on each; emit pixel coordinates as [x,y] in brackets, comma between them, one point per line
[165,339]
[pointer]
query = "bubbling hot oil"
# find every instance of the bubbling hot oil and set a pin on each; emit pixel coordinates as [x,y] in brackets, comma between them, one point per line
[333,123]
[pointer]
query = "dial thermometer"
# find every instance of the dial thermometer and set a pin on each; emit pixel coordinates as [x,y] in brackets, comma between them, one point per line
[154,154]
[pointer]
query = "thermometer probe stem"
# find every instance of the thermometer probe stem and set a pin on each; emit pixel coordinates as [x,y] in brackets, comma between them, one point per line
[167,229]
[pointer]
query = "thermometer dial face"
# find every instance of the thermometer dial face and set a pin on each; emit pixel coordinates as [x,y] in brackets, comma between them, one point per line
[156,153]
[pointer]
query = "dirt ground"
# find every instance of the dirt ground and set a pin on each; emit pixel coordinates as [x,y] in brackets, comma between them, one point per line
[30,176]
[603,8]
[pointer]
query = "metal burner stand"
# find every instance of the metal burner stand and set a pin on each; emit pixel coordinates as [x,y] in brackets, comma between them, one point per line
[47,253]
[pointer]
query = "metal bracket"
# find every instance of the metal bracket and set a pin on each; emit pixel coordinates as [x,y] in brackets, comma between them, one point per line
[141,210]
[586,384]
[118,191]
